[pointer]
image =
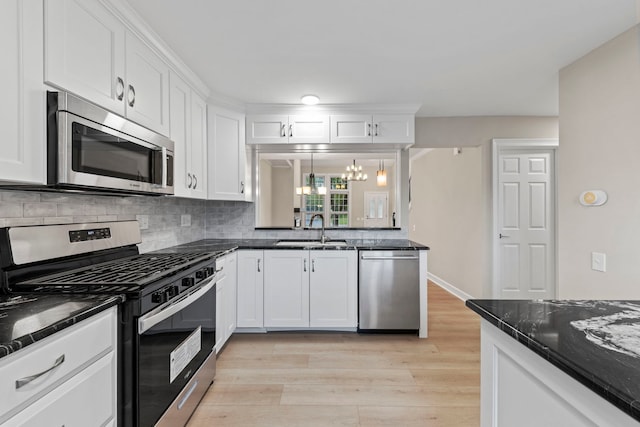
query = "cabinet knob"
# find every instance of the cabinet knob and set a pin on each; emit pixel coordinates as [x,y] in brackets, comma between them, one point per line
[119,88]
[131,96]
[195,181]
[290,130]
[241,187]
[258,265]
[283,130]
[368,129]
[376,131]
[189,180]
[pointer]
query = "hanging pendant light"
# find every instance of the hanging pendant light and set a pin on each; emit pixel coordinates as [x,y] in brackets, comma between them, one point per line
[354,173]
[381,175]
[312,188]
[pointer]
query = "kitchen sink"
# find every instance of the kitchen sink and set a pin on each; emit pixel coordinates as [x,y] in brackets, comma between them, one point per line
[312,243]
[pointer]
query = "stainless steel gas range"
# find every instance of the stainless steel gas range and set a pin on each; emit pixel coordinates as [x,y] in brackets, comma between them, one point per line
[166,356]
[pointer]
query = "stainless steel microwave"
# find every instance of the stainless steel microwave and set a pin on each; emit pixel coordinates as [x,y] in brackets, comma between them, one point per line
[90,148]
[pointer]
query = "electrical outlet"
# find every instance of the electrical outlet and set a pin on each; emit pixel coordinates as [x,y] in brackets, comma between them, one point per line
[185,220]
[598,261]
[143,220]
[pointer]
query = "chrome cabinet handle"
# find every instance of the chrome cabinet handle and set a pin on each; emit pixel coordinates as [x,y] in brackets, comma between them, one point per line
[283,130]
[119,88]
[258,265]
[313,265]
[190,180]
[131,96]
[195,181]
[290,130]
[376,132]
[241,187]
[26,380]
[305,265]
[368,129]
[502,236]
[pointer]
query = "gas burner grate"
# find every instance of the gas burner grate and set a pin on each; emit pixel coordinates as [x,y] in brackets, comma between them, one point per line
[137,270]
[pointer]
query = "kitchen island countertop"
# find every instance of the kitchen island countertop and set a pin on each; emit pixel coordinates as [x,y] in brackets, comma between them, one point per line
[595,342]
[28,318]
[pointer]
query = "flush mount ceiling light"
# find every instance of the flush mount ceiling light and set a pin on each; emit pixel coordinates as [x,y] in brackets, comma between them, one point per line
[354,173]
[310,99]
[381,175]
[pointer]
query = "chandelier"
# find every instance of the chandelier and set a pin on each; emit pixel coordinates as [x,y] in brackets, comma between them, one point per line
[354,173]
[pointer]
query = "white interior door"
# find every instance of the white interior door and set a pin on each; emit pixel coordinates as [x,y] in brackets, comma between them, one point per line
[526,224]
[376,209]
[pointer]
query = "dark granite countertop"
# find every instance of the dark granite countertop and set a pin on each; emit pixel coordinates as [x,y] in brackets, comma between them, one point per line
[595,342]
[222,246]
[28,318]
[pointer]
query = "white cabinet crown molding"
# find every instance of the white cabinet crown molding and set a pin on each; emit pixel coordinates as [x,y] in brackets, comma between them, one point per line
[332,109]
[138,26]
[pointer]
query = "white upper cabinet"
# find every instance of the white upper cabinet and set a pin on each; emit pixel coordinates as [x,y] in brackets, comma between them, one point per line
[188,132]
[227,157]
[147,86]
[284,129]
[362,128]
[84,51]
[23,110]
[89,52]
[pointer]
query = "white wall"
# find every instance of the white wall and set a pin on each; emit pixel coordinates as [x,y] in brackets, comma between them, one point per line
[600,149]
[451,203]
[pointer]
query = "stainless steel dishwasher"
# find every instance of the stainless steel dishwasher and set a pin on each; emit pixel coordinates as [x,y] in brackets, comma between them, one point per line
[389,291]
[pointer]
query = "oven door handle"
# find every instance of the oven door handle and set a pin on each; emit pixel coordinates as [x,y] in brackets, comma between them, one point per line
[161,313]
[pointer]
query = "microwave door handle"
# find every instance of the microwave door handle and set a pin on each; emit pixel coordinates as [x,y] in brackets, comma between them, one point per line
[164,167]
[156,316]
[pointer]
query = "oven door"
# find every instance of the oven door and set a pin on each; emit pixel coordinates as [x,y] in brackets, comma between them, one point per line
[174,340]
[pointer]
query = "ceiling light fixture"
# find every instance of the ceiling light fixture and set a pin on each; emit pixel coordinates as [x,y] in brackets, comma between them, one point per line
[381,175]
[354,173]
[310,99]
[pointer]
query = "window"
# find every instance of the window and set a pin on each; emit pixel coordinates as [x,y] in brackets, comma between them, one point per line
[334,205]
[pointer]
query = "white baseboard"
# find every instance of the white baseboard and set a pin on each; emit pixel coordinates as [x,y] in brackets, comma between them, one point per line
[449,287]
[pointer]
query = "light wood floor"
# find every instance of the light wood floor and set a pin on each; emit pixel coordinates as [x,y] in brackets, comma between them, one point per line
[346,379]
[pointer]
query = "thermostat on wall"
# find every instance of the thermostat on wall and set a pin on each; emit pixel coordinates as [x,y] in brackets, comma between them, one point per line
[593,198]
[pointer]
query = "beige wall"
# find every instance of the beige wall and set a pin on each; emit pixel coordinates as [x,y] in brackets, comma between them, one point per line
[600,149]
[282,197]
[451,203]
[265,194]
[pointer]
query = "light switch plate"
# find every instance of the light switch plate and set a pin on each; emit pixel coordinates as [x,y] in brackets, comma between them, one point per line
[598,261]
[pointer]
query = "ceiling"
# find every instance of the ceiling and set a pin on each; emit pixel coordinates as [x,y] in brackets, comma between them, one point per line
[454,58]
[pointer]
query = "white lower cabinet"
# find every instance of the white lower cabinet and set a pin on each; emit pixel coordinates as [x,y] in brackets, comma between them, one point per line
[80,388]
[333,289]
[226,296]
[286,288]
[310,288]
[250,269]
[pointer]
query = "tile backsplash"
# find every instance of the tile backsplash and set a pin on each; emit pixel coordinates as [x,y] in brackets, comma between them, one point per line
[165,221]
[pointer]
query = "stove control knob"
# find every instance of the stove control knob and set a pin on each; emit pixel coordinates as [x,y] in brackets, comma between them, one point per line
[159,297]
[210,271]
[172,291]
[188,281]
[201,274]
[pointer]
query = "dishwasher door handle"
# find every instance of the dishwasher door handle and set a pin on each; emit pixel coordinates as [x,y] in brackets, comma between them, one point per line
[396,257]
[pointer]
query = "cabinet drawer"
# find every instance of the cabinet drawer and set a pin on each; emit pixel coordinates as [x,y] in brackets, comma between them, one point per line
[81,345]
[88,399]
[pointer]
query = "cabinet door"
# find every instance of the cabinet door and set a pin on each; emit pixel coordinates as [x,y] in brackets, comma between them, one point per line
[267,129]
[231,293]
[306,129]
[286,288]
[147,86]
[198,147]
[220,314]
[351,129]
[333,293]
[226,154]
[394,128]
[23,112]
[180,106]
[87,399]
[250,270]
[85,51]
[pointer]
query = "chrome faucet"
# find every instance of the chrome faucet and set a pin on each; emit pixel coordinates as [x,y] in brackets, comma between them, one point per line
[323,238]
